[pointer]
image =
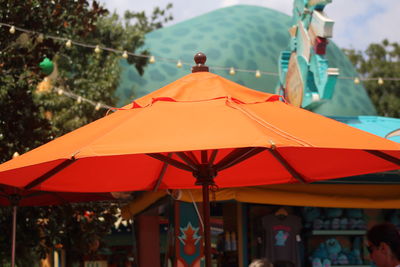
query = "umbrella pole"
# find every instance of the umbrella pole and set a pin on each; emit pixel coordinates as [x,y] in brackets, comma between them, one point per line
[207,228]
[14,232]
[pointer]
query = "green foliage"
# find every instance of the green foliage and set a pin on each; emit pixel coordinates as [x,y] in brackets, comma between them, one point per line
[380,60]
[30,117]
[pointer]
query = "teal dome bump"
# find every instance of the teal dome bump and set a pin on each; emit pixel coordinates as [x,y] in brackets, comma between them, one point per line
[243,37]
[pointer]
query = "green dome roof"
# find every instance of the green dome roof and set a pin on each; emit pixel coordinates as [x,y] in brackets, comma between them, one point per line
[243,37]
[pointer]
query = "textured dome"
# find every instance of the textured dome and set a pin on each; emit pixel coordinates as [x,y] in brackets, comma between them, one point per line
[243,37]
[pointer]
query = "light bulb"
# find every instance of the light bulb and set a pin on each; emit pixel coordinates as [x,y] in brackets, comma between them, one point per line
[12,30]
[179,64]
[152,60]
[98,106]
[16,154]
[232,71]
[380,81]
[79,100]
[68,44]
[356,80]
[97,50]
[258,74]
[60,91]
[125,55]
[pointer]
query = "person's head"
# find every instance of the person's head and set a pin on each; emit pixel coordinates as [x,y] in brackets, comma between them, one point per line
[384,245]
[260,263]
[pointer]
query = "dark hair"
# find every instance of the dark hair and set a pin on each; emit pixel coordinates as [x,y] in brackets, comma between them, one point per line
[387,233]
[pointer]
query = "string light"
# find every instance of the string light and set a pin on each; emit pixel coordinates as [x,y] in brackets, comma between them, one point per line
[80,99]
[152,60]
[68,44]
[179,64]
[125,54]
[16,154]
[97,49]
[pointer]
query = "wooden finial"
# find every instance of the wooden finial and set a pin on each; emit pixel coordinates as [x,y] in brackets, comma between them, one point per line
[200,59]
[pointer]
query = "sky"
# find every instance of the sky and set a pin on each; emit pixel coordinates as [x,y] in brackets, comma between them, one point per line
[357,22]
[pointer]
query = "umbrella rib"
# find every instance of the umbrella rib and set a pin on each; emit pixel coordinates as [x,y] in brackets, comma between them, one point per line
[237,156]
[287,166]
[50,173]
[384,156]
[191,155]
[204,156]
[170,161]
[162,173]
[188,160]
[213,156]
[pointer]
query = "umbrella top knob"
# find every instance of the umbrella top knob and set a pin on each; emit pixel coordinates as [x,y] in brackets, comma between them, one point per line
[200,58]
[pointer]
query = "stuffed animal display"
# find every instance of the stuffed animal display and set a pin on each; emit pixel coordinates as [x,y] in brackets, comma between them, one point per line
[334,219]
[330,252]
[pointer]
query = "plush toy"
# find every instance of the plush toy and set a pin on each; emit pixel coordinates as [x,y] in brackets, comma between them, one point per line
[333,247]
[333,212]
[356,219]
[310,215]
[344,222]
[356,251]
[354,213]
[320,252]
[318,224]
[350,256]
[333,215]
[327,224]
[326,263]
[320,257]
[316,262]
[342,259]
[335,223]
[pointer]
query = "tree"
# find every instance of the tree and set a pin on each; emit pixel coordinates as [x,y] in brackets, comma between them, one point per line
[31,115]
[380,61]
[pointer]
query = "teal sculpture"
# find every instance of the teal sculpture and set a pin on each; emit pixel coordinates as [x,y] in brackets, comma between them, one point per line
[304,74]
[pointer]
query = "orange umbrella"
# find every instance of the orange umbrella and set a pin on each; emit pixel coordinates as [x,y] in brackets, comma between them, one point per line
[205,127]
[15,197]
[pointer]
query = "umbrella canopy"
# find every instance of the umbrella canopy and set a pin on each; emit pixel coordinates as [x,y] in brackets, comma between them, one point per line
[117,152]
[206,127]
